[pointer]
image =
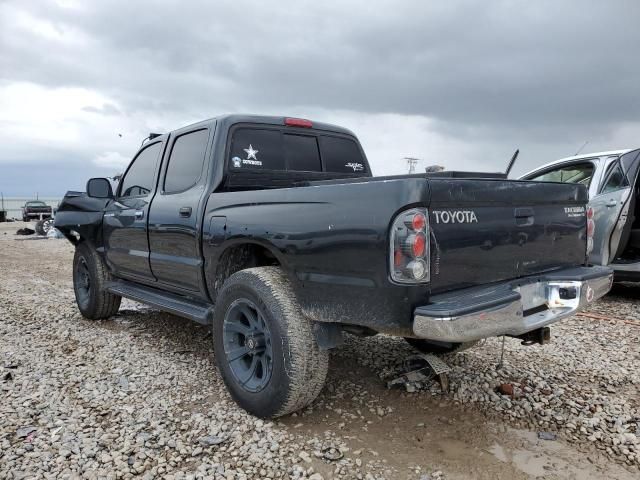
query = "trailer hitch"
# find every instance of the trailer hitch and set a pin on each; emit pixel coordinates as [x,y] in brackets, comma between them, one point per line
[540,336]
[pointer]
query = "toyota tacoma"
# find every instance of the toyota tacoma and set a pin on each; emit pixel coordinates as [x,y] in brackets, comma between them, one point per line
[274,232]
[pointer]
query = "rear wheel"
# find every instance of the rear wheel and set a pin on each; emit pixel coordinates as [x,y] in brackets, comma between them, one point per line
[434,346]
[89,284]
[264,347]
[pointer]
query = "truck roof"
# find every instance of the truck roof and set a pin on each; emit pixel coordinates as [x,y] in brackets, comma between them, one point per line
[230,119]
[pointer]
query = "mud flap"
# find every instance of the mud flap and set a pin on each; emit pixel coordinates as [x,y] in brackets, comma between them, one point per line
[328,335]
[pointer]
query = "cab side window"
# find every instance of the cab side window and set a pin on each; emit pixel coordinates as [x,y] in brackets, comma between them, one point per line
[138,181]
[614,179]
[186,161]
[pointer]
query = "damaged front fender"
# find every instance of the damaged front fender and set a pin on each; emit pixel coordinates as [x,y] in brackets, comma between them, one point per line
[79,218]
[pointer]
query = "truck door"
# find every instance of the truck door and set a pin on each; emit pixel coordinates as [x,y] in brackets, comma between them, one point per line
[175,217]
[125,220]
[610,207]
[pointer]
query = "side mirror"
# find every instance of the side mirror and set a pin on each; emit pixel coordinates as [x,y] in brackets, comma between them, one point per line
[99,188]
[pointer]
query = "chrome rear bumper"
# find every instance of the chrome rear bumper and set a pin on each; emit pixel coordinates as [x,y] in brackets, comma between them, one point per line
[510,308]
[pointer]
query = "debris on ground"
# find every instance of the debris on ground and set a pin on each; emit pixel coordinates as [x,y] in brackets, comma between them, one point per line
[25,231]
[332,454]
[24,432]
[505,389]
[419,370]
[547,436]
[54,233]
[210,440]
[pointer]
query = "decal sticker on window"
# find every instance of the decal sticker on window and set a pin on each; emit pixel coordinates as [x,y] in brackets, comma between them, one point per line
[357,167]
[251,157]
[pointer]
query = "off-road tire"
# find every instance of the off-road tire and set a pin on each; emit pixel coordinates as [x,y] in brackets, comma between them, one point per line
[94,302]
[432,346]
[40,227]
[298,368]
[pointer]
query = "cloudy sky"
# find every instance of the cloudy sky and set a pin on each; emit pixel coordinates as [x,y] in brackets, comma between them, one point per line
[457,83]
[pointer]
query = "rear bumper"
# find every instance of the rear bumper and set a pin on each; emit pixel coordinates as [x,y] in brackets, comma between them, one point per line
[510,308]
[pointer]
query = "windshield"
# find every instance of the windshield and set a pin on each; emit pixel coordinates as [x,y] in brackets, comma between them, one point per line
[575,173]
[36,204]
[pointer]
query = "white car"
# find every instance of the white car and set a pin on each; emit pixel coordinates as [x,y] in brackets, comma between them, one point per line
[614,197]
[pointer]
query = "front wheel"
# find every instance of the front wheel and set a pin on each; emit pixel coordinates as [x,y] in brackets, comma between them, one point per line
[89,284]
[264,347]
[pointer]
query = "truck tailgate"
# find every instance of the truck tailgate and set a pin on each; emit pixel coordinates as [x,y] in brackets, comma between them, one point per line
[486,231]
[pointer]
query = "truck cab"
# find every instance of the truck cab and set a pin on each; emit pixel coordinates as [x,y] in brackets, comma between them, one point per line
[153,230]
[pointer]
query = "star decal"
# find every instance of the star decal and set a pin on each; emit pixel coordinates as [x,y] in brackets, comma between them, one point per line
[251,153]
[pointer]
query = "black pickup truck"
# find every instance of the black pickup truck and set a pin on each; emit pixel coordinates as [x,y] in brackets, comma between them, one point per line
[36,210]
[273,231]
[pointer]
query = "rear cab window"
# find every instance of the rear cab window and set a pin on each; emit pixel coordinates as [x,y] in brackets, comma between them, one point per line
[272,149]
[341,155]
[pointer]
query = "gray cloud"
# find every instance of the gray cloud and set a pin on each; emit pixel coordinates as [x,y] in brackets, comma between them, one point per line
[541,75]
[105,109]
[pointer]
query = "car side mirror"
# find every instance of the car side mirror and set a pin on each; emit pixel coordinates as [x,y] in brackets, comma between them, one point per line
[99,188]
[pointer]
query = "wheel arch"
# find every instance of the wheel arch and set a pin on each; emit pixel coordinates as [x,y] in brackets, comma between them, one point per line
[238,255]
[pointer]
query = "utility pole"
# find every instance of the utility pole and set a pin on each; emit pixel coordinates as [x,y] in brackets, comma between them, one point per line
[411,164]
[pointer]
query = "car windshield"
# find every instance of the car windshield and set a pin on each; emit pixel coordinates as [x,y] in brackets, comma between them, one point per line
[575,173]
[36,204]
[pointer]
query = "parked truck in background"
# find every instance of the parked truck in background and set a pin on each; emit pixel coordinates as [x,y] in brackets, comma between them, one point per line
[273,231]
[39,212]
[34,210]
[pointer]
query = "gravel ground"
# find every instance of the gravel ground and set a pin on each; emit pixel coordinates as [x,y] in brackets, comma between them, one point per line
[137,395]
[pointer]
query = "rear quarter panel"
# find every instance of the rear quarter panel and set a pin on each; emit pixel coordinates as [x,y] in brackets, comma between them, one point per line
[332,240]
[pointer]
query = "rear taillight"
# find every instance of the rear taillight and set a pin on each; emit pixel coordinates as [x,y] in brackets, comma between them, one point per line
[591,228]
[409,258]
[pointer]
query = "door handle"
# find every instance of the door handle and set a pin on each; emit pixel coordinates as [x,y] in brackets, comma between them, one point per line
[611,203]
[139,214]
[185,212]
